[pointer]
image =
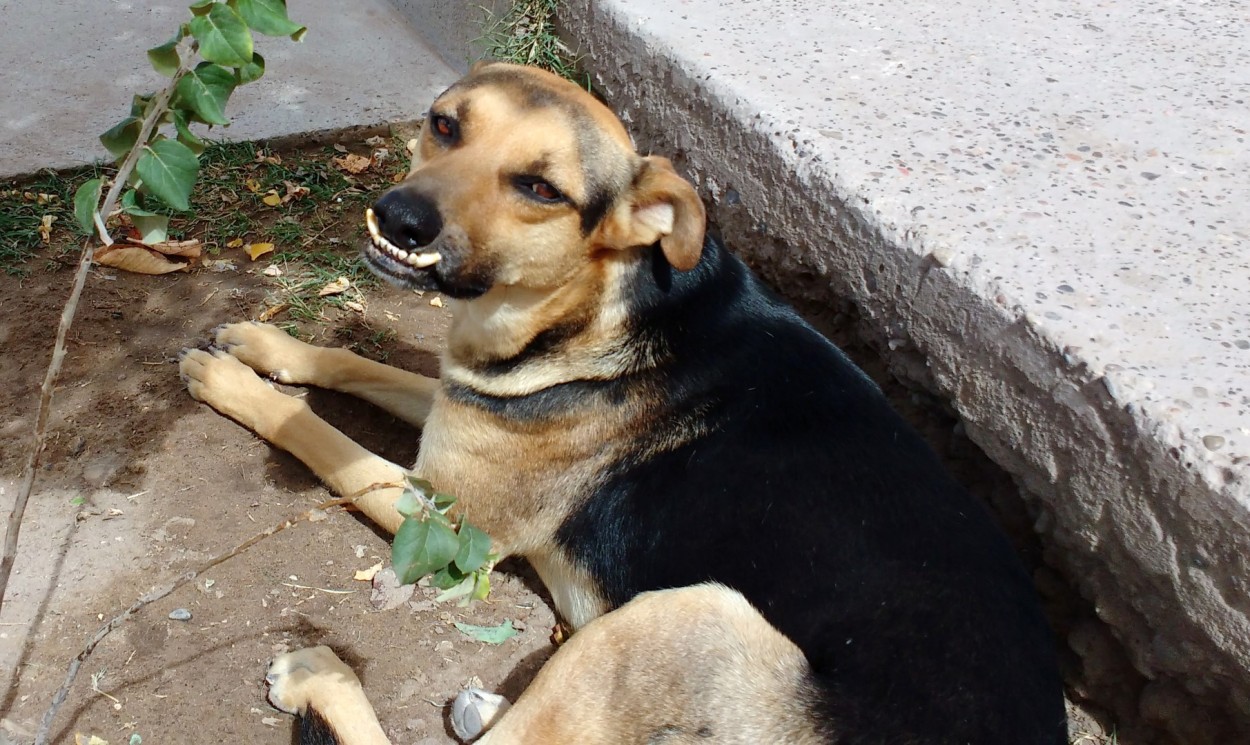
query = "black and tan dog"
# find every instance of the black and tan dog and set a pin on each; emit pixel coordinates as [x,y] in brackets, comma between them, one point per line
[753,546]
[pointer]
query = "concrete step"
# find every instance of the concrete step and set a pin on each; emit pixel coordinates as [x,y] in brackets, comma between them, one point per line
[1038,208]
[73,66]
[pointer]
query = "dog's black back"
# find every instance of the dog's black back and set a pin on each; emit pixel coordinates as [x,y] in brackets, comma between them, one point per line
[808,493]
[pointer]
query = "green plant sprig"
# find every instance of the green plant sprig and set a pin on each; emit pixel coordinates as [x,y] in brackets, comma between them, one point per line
[161,170]
[456,556]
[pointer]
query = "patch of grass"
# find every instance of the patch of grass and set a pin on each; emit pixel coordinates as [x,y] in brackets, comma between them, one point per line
[526,35]
[308,271]
[23,208]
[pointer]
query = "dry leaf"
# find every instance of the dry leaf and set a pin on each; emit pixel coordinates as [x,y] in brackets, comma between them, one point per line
[366,575]
[390,316]
[221,265]
[252,185]
[412,146]
[272,159]
[273,270]
[234,243]
[336,287]
[45,227]
[138,259]
[88,740]
[375,140]
[273,310]
[338,148]
[271,198]
[351,163]
[436,301]
[293,191]
[188,248]
[256,250]
[353,305]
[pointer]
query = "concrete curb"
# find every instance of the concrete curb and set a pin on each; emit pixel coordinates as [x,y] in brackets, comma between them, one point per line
[1135,506]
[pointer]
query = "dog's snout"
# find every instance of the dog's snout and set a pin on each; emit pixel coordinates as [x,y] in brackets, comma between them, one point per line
[408,220]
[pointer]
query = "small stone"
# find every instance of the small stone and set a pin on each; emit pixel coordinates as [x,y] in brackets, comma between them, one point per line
[180,614]
[1213,442]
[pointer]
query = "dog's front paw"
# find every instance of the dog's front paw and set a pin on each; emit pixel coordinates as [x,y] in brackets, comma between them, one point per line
[229,386]
[269,351]
[296,678]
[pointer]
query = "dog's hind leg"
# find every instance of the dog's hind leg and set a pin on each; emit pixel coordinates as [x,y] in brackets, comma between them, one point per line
[691,665]
[232,388]
[271,351]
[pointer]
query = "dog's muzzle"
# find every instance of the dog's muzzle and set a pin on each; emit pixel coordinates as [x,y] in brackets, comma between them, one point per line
[400,225]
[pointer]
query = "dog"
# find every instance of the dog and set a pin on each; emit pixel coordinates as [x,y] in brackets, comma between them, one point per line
[750,544]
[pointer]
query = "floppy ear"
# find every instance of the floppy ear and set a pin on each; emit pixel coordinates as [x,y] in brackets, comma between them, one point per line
[660,206]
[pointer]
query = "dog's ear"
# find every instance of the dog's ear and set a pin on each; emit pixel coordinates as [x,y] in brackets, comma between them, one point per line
[660,206]
[480,65]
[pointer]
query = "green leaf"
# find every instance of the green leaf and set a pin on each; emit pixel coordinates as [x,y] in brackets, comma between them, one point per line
[448,576]
[252,71]
[205,91]
[421,547]
[462,590]
[474,548]
[122,137]
[86,202]
[481,585]
[165,58]
[130,205]
[152,228]
[202,7]
[223,36]
[139,105]
[422,487]
[408,504]
[168,169]
[442,502]
[182,123]
[268,17]
[488,634]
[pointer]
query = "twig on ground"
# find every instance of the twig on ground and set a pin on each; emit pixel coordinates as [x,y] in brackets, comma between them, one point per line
[41,737]
[39,436]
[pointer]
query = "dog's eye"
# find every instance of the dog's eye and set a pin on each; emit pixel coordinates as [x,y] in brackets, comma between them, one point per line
[539,190]
[444,127]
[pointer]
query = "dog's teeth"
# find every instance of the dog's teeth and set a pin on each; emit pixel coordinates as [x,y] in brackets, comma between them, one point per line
[371,222]
[421,261]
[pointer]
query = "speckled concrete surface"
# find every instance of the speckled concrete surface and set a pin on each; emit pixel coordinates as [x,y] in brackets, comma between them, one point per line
[1041,209]
[71,66]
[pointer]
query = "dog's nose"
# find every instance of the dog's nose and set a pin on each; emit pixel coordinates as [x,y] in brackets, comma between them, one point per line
[408,220]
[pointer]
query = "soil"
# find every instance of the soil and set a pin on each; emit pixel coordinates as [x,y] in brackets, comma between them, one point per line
[141,483]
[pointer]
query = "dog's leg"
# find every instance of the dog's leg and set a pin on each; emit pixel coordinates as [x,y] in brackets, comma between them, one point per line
[325,694]
[271,351]
[232,388]
[690,665]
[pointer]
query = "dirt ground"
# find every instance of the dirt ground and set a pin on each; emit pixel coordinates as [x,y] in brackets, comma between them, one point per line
[141,483]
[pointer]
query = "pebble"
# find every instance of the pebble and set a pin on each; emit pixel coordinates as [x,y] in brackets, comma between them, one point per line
[180,614]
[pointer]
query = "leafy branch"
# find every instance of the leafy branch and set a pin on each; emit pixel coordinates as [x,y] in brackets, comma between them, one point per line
[159,172]
[457,557]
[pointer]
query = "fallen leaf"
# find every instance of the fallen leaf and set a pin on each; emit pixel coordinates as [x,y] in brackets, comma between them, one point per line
[436,301]
[375,141]
[188,248]
[273,270]
[234,243]
[293,191]
[271,198]
[353,305]
[366,575]
[272,311]
[352,163]
[396,178]
[412,146]
[252,185]
[390,316]
[256,250]
[269,721]
[45,227]
[138,259]
[88,740]
[336,287]
[488,634]
[340,148]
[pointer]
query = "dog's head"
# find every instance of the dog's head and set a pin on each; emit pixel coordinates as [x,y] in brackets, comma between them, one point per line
[523,180]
